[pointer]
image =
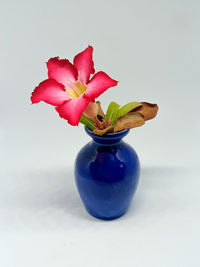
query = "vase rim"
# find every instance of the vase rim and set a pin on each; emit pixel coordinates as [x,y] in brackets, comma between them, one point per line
[117,135]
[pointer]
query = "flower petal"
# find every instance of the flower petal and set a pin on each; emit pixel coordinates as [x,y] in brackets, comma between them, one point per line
[51,92]
[62,71]
[72,110]
[99,83]
[84,64]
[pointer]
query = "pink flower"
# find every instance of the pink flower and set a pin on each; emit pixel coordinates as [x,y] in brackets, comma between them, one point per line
[70,88]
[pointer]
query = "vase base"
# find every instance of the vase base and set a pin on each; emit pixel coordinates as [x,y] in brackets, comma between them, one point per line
[105,218]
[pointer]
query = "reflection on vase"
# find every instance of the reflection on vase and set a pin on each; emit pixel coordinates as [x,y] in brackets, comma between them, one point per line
[104,163]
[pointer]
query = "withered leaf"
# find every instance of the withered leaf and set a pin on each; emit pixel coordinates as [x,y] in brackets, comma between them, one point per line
[103,131]
[147,110]
[100,111]
[128,121]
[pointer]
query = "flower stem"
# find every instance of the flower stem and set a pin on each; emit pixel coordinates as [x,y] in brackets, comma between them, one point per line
[98,124]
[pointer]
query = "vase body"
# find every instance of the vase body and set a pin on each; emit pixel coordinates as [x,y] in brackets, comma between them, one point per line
[107,172]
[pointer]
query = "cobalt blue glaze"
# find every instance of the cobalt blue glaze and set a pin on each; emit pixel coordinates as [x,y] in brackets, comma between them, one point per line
[107,172]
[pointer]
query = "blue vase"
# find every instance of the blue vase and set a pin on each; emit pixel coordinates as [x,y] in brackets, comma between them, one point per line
[107,172]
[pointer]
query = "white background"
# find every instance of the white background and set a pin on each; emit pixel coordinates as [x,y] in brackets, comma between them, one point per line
[152,48]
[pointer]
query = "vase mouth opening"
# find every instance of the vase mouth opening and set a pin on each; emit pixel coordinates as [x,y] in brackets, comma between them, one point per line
[107,136]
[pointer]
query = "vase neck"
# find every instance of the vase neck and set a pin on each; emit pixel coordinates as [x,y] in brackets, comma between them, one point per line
[109,139]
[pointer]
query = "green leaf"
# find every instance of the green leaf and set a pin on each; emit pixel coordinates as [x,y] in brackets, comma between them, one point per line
[112,112]
[87,122]
[127,108]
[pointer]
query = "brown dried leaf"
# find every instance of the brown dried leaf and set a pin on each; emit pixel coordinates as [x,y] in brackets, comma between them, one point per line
[101,132]
[111,130]
[147,110]
[100,110]
[128,121]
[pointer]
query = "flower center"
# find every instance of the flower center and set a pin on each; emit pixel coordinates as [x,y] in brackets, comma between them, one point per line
[77,89]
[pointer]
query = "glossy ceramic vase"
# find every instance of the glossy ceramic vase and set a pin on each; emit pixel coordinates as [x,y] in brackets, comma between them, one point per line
[107,172]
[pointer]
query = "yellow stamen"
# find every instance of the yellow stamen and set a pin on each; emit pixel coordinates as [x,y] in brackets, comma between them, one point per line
[76,90]
[72,93]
